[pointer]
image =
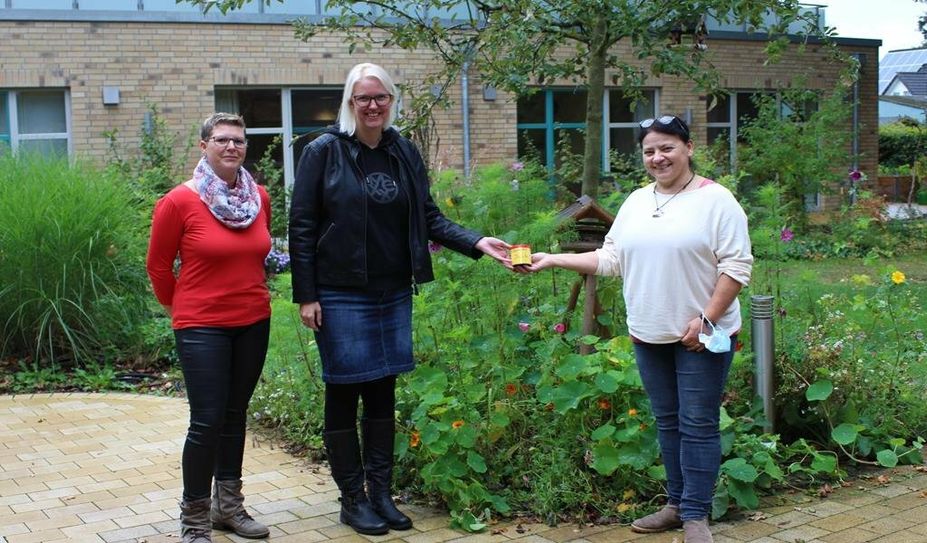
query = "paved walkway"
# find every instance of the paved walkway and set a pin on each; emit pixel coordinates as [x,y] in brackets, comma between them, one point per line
[96,468]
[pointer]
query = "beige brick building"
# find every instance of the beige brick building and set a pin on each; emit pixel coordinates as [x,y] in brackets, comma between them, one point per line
[68,75]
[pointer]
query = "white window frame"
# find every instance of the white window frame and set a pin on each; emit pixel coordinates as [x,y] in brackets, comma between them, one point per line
[13,118]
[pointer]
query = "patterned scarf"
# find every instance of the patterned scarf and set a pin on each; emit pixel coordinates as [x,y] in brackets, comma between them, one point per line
[235,208]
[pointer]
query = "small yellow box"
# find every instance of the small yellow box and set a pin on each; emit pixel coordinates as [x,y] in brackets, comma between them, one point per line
[520,255]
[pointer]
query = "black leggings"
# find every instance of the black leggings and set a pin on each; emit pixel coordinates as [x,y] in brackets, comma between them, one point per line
[341,402]
[221,367]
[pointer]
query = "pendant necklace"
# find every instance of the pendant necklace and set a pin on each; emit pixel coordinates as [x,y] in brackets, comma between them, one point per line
[658,210]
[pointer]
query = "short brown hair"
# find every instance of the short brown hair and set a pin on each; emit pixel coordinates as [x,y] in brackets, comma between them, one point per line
[220,118]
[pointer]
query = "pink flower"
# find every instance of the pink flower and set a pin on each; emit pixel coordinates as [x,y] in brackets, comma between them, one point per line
[434,247]
[786,235]
[517,166]
[855,175]
[560,328]
[524,326]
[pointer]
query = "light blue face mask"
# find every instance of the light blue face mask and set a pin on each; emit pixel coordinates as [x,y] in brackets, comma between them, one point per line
[718,342]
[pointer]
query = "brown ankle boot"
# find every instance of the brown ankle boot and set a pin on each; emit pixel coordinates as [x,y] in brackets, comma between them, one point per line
[696,531]
[661,521]
[228,511]
[194,521]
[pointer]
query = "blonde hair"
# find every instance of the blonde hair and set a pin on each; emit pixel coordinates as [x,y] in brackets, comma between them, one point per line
[347,123]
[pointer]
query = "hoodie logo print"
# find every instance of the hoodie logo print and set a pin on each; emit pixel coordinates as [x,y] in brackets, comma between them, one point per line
[381,188]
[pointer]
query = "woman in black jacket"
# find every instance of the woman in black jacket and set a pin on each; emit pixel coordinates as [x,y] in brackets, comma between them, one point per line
[360,221]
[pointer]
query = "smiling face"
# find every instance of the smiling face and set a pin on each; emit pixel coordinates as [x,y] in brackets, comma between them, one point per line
[371,117]
[667,158]
[225,159]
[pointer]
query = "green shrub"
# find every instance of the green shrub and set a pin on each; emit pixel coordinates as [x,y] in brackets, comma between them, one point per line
[72,280]
[901,144]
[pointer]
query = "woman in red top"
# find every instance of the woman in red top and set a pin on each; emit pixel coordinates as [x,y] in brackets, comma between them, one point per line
[218,223]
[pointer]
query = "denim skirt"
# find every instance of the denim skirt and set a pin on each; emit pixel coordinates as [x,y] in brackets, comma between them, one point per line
[364,335]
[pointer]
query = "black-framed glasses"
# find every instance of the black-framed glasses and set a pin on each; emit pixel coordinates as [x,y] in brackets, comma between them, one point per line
[666,120]
[223,141]
[364,100]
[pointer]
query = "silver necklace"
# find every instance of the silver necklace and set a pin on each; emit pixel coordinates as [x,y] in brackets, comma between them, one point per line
[658,210]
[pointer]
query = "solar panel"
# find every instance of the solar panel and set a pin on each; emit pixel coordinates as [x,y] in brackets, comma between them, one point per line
[904,60]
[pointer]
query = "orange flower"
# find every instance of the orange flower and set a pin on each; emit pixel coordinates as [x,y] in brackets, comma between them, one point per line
[511,389]
[604,404]
[632,412]
[642,427]
[415,439]
[457,424]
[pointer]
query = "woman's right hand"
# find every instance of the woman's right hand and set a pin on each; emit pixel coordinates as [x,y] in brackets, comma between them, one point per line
[311,315]
[539,261]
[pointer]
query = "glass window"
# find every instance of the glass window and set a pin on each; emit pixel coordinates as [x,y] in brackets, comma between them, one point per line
[569,106]
[624,140]
[257,146]
[260,107]
[721,112]
[43,4]
[4,117]
[58,146]
[305,7]
[313,111]
[624,114]
[532,144]
[170,5]
[112,5]
[531,108]
[622,109]
[41,112]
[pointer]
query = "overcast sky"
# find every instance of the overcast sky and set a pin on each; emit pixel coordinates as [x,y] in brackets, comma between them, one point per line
[892,21]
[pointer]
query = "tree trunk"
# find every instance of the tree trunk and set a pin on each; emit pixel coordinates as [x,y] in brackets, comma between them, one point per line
[595,78]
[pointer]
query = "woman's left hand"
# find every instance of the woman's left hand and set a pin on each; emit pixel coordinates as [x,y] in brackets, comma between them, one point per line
[690,339]
[496,248]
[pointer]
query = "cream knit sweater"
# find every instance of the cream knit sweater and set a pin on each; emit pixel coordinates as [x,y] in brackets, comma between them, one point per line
[670,264]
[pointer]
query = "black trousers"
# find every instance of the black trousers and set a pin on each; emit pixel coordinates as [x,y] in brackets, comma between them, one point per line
[221,367]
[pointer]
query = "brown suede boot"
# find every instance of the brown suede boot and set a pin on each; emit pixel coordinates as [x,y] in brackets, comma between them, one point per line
[696,531]
[194,521]
[661,521]
[228,511]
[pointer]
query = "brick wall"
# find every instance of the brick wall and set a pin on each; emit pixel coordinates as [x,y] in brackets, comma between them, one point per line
[178,66]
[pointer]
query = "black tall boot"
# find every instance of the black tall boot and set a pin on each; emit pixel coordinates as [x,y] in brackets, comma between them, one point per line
[344,457]
[379,437]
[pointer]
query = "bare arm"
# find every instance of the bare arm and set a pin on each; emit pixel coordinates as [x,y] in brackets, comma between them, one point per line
[585,263]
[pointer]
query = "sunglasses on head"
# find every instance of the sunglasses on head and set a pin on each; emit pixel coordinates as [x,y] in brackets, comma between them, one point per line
[666,120]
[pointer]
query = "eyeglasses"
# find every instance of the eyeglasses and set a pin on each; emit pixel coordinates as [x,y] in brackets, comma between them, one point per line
[381,99]
[666,120]
[223,141]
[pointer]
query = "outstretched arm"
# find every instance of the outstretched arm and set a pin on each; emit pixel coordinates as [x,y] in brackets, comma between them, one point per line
[585,263]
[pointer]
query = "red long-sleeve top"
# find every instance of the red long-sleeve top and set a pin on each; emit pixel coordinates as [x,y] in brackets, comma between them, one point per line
[221,281]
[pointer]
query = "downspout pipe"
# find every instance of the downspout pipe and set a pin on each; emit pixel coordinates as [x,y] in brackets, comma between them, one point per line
[465,113]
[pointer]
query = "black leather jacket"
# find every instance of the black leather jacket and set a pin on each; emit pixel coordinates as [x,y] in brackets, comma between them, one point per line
[328,214]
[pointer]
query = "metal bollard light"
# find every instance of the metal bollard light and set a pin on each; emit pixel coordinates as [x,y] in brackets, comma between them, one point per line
[761,317]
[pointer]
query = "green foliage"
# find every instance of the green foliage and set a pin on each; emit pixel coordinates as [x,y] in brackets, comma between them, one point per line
[853,375]
[901,143]
[72,281]
[271,176]
[771,140]
[503,415]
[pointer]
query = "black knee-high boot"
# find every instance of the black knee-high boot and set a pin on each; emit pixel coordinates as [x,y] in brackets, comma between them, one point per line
[344,456]
[379,438]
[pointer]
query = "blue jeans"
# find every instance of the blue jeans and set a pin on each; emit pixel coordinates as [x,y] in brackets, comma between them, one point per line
[685,390]
[221,367]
